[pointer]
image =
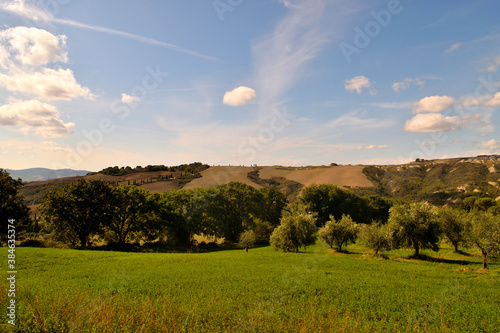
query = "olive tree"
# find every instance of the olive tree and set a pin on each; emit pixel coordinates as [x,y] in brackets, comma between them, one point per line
[297,228]
[483,231]
[376,237]
[415,226]
[339,233]
[453,225]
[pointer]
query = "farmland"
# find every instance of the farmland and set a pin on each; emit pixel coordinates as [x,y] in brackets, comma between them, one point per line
[316,290]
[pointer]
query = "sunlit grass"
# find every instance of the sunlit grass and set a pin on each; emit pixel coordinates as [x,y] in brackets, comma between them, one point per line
[318,290]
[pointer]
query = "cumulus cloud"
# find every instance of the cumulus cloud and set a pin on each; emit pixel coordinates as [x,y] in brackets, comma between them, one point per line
[371,147]
[24,54]
[486,101]
[433,104]
[127,99]
[406,83]
[32,46]
[491,144]
[359,83]
[34,115]
[433,122]
[239,96]
[48,84]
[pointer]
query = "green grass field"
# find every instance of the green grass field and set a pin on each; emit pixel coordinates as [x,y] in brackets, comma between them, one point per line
[62,290]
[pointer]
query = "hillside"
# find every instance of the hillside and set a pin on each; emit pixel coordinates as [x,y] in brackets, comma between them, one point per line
[445,181]
[39,174]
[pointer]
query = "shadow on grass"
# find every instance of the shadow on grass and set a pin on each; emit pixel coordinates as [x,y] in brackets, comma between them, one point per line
[163,248]
[424,257]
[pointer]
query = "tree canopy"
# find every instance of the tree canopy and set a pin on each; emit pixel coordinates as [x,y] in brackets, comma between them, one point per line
[414,225]
[79,210]
[11,202]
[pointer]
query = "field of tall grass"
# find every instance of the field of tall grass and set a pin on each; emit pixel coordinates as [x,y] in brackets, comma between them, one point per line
[64,290]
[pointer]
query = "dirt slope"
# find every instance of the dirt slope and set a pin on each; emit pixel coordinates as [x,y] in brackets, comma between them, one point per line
[345,175]
[222,174]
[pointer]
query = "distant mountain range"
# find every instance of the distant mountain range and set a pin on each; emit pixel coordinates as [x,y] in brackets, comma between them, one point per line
[37,174]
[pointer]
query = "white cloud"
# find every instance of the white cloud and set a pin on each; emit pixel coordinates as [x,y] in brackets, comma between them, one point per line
[24,54]
[32,46]
[487,101]
[453,47]
[359,83]
[491,144]
[433,104]
[371,147]
[391,105]
[127,99]
[433,122]
[351,120]
[239,96]
[34,115]
[488,69]
[406,83]
[492,67]
[22,9]
[456,142]
[48,84]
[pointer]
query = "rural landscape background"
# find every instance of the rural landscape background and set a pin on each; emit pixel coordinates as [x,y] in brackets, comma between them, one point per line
[249,166]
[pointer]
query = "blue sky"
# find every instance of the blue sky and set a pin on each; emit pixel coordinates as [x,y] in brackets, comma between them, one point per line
[91,84]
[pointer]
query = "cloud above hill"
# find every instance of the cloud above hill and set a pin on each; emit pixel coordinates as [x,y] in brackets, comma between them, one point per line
[433,104]
[34,115]
[239,96]
[358,83]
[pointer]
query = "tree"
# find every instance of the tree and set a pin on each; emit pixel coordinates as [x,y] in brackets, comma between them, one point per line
[231,209]
[297,228]
[414,225]
[339,233]
[483,231]
[78,210]
[131,207]
[453,225]
[247,239]
[376,236]
[272,203]
[178,214]
[326,200]
[11,203]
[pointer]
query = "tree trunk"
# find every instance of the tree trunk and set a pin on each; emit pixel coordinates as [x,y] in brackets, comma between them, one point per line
[456,247]
[83,241]
[484,255]
[416,249]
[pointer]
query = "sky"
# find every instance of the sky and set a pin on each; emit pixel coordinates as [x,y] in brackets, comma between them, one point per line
[91,84]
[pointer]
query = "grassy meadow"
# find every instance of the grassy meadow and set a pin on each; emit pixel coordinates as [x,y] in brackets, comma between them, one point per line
[317,290]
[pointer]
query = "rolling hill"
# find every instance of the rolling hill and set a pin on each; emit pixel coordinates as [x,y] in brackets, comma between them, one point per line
[39,174]
[444,181]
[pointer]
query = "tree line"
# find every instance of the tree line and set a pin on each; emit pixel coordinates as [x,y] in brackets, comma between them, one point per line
[83,210]
[409,225]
